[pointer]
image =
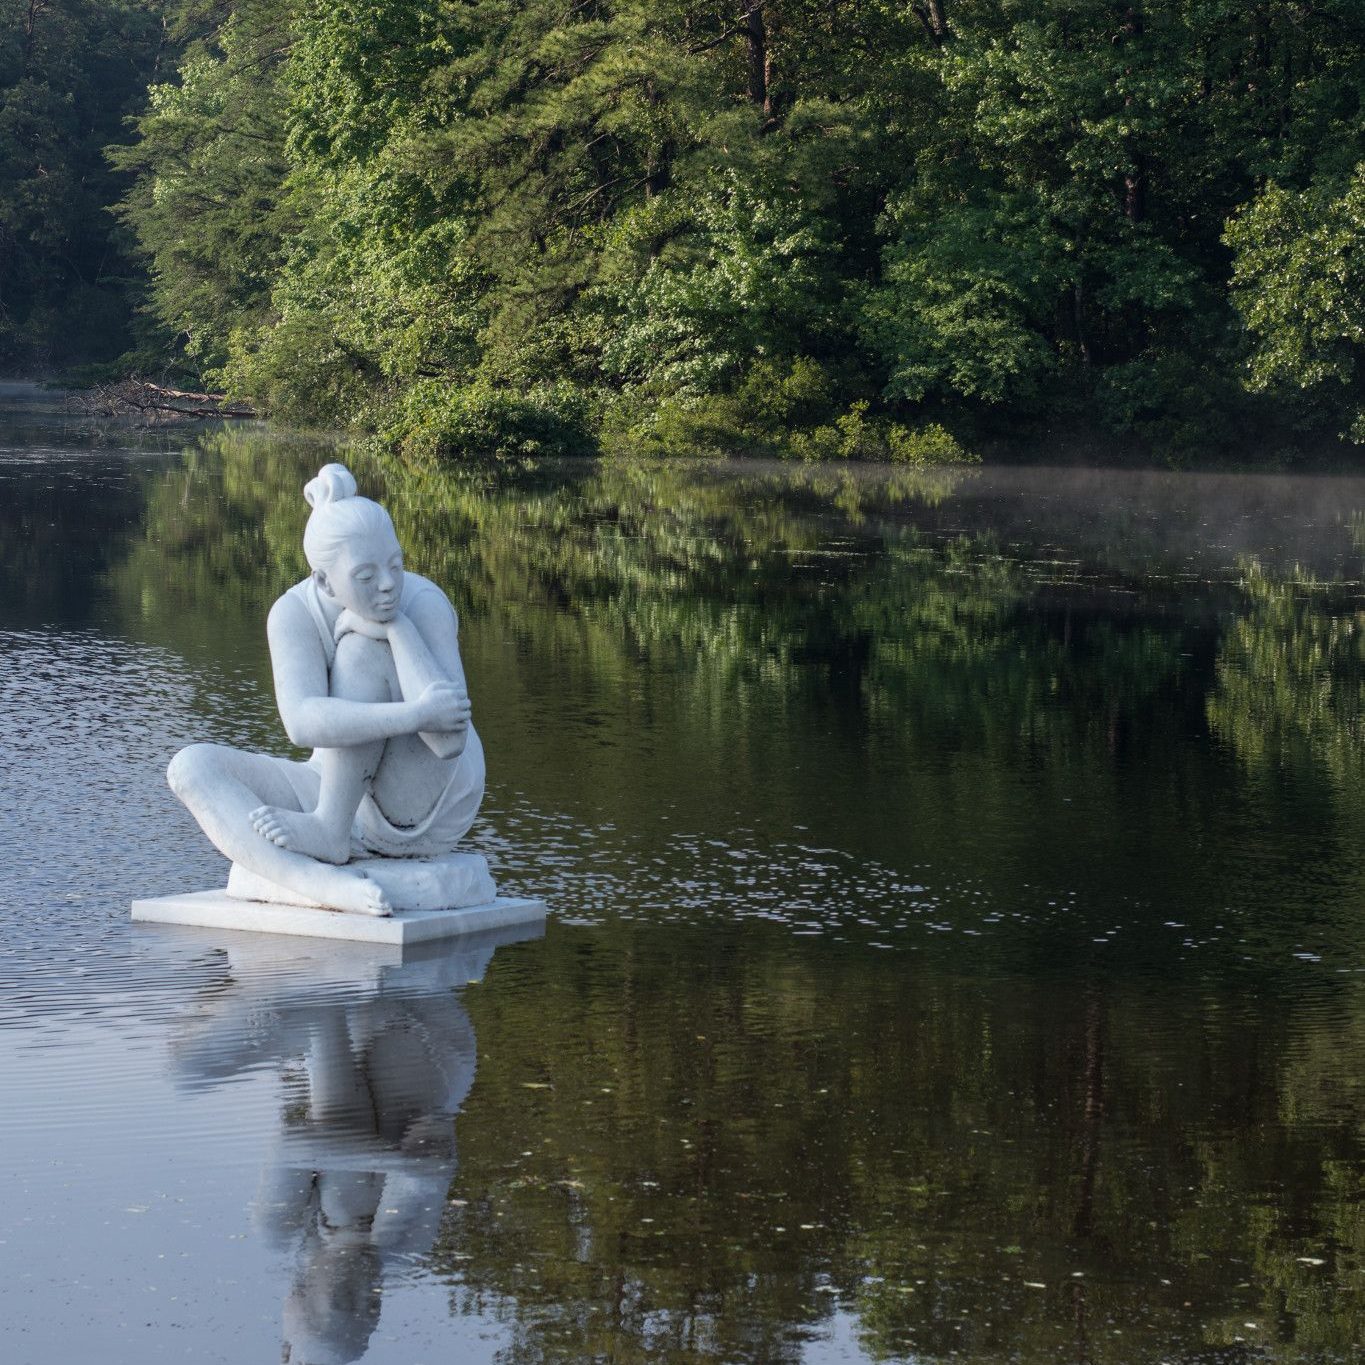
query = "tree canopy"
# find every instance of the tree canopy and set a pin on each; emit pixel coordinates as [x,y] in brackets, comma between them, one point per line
[832,229]
[70,72]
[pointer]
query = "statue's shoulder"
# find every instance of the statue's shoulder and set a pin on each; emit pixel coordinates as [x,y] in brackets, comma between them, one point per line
[414,583]
[426,603]
[416,589]
[291,606]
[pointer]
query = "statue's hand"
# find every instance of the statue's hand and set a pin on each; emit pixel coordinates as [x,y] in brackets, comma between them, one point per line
[349,623]
[443,708]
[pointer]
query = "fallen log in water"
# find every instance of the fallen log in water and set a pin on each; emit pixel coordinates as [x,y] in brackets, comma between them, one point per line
[156,402]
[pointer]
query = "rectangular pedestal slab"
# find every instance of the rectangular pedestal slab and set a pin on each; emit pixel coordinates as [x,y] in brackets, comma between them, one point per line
[218,910]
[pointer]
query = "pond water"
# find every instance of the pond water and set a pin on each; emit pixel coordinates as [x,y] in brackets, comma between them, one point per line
[957,938]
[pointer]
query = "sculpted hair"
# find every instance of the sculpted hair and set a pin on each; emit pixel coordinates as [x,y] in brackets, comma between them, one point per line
[338,516]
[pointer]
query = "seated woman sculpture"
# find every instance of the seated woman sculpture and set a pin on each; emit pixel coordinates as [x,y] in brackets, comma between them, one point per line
[367,672]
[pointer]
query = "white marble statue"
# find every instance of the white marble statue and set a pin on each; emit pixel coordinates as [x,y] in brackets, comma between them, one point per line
[367,672]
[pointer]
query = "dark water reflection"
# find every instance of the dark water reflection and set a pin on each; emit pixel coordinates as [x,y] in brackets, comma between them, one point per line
[956,950]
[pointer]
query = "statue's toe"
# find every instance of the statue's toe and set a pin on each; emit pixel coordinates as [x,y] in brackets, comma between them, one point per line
[375,902]
[266,822]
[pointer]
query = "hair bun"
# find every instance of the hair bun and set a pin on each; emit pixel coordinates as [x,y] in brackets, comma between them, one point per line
[333,483]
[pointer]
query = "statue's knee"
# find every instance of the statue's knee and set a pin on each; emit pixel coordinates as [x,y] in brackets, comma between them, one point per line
[185,769]
[354,647]
[361,668]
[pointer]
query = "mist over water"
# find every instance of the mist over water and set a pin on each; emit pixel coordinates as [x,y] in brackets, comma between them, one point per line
[955,948]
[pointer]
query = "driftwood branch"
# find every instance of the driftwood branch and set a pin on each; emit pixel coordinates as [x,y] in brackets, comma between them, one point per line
[157,403]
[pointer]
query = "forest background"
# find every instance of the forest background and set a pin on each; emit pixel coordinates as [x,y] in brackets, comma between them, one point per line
[901,229]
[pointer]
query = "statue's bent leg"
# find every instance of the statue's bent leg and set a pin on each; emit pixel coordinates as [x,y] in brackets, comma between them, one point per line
[222,787]
[362,671]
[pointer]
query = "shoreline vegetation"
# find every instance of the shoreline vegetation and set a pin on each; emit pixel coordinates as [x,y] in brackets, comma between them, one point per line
[924,232]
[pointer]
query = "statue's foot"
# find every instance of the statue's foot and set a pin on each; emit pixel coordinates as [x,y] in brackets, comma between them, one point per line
[301,832]
[354,893]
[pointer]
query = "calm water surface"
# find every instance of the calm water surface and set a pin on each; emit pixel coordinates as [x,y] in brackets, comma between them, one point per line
[957,947]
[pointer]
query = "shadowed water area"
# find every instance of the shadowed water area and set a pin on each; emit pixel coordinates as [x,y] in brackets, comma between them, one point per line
[957,893]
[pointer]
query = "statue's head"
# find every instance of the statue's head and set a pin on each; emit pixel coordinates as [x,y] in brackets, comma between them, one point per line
[351,546]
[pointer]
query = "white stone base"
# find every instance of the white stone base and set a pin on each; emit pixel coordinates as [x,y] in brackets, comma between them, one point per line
[449,882]
[218,910]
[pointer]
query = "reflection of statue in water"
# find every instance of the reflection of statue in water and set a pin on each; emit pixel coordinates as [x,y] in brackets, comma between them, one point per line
[367,674]
[384,1083]
[358,1180]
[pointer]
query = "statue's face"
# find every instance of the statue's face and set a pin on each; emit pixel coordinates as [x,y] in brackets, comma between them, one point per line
[367,577]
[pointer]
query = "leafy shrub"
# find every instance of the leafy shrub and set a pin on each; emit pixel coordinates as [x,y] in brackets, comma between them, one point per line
[773,397]
[926,445]
[468,421]
[776,394]
[297,372]
[856,436]
[777,411]
[702,281]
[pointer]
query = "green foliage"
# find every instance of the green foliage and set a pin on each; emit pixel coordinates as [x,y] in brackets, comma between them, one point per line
[962,302]
[994,214]
[1289,678]
[929,444]
[1299,282]
[1176,402]
[758,417]
[1058,247]
[742,276]
[208,202]
[855,436]
[783,411]
[436,419]
[70,70]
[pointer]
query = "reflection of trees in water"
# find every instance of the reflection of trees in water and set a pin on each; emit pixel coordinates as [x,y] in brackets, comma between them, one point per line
[744,588]
[709,1152]
[58,535]
[922,1126]
[1288,701]
[739,629]
[1291,675]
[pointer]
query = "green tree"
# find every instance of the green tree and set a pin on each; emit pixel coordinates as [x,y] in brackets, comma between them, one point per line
[1299,283]
[70,71]
[1059,238]
[207,204]
[799,228]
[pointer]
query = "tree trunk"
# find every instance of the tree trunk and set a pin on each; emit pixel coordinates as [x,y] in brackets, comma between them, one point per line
[35,8]
[931,16]
[156,402]
[760,70]
[1135,181]
[1135,193]
[1078,321]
